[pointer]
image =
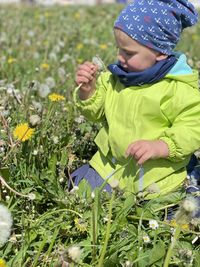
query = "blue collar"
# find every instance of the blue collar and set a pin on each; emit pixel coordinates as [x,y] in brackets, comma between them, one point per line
[148,76]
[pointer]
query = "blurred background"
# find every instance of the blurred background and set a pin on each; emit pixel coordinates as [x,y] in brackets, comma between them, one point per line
[77,2]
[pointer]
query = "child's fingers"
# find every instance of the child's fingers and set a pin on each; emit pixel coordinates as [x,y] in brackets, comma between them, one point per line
[89,67]
[144,157]
[81,79]
[132,148]
[139,153]
[86,74]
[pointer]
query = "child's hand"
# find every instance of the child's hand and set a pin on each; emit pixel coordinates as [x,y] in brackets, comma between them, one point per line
[86,78]
[143,150]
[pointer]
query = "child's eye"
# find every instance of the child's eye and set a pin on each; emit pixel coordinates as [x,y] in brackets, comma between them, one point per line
[128,53]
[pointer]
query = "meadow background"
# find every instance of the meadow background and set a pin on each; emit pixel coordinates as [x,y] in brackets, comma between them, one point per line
[40,49]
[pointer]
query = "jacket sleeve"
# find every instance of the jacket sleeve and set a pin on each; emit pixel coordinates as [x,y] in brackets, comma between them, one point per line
[183,137]
[93,108]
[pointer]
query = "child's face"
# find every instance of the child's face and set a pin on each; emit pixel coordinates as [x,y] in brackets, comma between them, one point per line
[132,55]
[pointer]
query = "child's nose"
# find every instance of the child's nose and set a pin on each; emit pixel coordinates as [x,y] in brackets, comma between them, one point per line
[121,57]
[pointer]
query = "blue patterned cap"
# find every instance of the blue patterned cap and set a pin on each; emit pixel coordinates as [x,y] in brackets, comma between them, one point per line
[157,24]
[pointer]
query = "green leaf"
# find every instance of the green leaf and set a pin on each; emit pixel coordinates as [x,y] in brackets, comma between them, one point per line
[196,259]
[144,213]
[5,172]
[52,163]
[64,157]
[157,253]
[112,261]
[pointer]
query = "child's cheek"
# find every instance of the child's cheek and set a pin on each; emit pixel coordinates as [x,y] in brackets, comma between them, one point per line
[135,65]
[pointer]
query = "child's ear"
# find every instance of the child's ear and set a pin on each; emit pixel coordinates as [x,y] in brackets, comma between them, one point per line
[160,57]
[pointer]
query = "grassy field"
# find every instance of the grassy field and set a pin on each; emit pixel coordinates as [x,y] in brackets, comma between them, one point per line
[43,139]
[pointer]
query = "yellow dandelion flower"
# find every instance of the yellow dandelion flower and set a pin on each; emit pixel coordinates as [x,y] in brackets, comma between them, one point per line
[46,43]
[23,132]
[47,14]
[77,15]
[79,46]
[56,97]
[195,37]
[44,66]
[11,60]
[185,226]
[79,60]
[2,263]
[81,225]
[103,46]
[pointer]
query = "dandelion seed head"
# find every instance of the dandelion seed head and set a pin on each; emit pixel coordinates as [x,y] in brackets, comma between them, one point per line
[5,224]
[65,58]
[74,253]
[190,204]
[27,42]
[34,120]
[50,82]
[44,90]
[61,72]
[10,89]
[31,33]
[97,61]
[36,55]
[186,255]
[53,56]
[23,132]
[37,106]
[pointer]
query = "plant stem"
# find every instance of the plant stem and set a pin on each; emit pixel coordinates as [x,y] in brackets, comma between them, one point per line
[164,207]
[169,252]
[94,232]
[11,189]
[103,252]
[47,214]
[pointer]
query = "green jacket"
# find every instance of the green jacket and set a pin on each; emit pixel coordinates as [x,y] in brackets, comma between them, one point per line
[168,110]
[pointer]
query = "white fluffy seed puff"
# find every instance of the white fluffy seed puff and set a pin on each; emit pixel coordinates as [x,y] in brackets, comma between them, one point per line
[74,253]
[5,224]
[190,204]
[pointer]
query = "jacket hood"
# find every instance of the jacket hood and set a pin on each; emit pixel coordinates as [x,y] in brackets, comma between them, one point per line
[183,72]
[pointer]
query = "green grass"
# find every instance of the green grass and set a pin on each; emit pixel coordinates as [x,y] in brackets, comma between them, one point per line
[109,231]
